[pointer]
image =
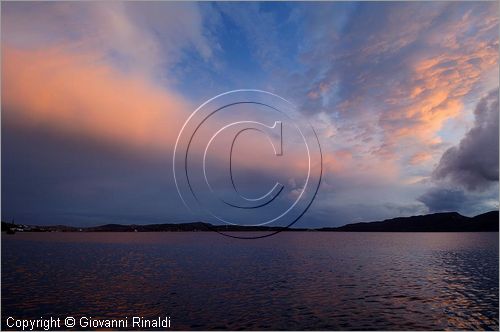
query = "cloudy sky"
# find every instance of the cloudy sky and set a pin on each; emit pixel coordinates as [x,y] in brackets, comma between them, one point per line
[403,97]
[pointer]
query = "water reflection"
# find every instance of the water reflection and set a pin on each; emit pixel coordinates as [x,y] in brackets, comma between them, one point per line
[292,281]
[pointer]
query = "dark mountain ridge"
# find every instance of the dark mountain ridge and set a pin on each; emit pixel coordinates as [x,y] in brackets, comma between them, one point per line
[436,222]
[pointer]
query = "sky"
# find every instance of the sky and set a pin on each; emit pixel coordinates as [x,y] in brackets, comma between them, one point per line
[403,98]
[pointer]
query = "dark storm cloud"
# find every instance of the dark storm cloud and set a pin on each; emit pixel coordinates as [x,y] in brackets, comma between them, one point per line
[50,178]
[54,178]
[442,199]
[473,164]
[459,200]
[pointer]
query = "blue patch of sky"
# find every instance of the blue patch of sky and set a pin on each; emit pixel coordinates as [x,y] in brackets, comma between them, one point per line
[288,33]
[236,63]
[233,65]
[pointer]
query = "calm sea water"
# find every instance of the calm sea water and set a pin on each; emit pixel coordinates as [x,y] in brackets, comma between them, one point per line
[307,280]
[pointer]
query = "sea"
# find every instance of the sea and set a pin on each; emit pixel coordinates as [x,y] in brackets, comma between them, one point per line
[290,281]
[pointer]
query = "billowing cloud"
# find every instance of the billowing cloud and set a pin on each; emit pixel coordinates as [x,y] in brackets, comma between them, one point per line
[473,164]
[443,200]
[387,87]
[446,199]
[78,94]
[88,121]
[132,37]
[93,68]
[408,73]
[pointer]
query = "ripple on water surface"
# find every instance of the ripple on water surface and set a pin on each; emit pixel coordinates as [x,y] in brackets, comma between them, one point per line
[291,281]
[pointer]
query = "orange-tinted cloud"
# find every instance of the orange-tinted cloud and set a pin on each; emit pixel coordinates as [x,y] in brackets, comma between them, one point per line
[434,95]
[79,94]
[420,157]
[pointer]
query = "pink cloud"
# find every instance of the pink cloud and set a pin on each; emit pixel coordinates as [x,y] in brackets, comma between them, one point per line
[79,94]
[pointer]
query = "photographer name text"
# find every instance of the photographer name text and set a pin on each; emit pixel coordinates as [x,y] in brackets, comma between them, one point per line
[84,322]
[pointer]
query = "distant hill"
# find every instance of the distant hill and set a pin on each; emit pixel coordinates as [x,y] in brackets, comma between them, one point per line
[178,227]
[182,227]
[437,222]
